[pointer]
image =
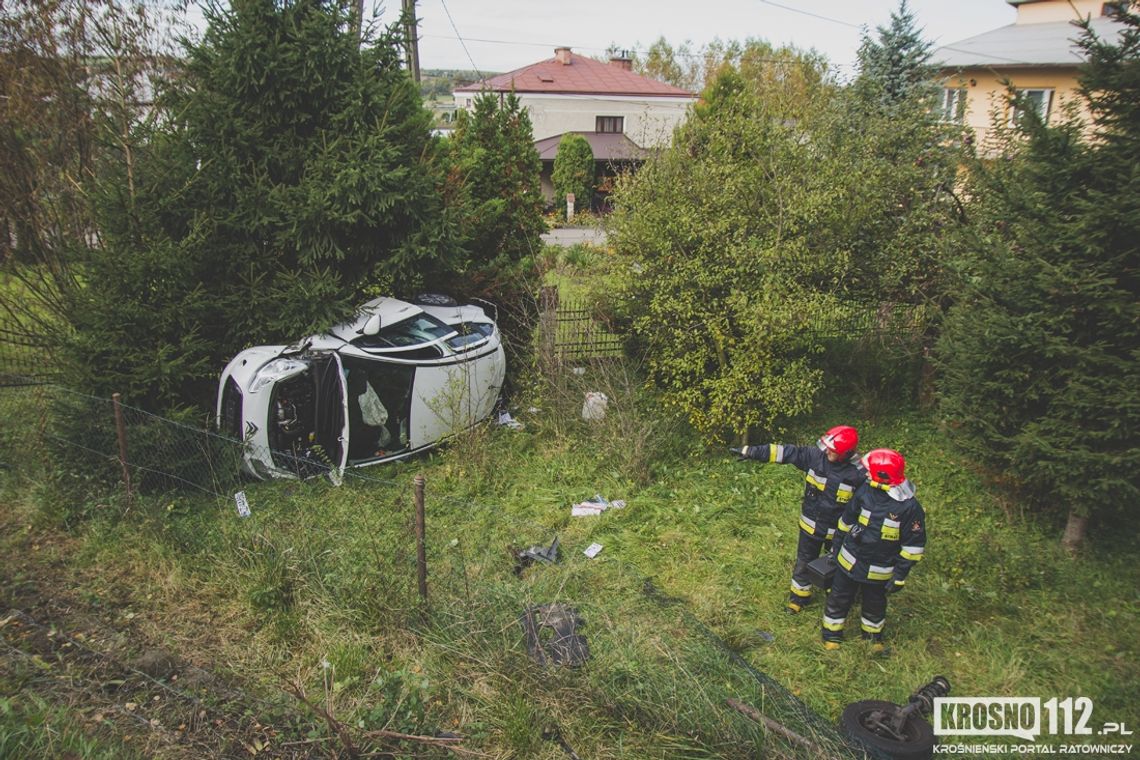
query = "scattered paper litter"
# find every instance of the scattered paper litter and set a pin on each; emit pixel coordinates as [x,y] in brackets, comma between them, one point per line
[507,421]
[595,506]
[592,550]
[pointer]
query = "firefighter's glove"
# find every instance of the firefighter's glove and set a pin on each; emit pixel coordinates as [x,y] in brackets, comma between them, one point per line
[741,452]
[895,586]
[856,533]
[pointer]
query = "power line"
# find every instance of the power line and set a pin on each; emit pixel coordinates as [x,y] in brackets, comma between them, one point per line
[813,15]
[690,56]
[460,38]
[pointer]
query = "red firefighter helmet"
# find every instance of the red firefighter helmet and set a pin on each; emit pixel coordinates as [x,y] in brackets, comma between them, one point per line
[885,466]
[842,439]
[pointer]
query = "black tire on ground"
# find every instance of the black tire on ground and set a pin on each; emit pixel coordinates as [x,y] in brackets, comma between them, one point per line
[918,734]
[434,299]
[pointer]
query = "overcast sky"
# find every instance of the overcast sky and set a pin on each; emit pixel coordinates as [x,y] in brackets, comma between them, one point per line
[501,35]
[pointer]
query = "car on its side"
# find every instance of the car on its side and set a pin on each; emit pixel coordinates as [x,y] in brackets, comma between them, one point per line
[397,379]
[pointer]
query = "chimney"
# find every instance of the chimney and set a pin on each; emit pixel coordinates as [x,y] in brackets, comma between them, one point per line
[623,62]
[562,55]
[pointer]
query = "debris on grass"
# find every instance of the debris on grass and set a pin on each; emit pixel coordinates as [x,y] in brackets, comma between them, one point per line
[595,506]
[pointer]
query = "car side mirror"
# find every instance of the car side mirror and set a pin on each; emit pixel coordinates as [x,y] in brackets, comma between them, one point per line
[372,326]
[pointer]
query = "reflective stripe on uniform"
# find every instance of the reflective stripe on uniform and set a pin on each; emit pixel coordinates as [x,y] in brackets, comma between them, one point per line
[890,530]
[846,558]
[879,573]
[799,590]
[776,453]
[872,627]
[814,479]
[843,526]
[843,495]
[864,517]
[807,524]
[902,491]
[913,553]
[833,624]
[830,533]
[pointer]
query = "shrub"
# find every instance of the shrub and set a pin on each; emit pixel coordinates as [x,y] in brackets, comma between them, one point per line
[574,171]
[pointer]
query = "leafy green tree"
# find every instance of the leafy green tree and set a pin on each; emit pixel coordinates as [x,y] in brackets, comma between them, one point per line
[755,59]
[1039,355]
[292,175]
[574,170]
[665,63]
[492,150]
[767,216]
[895,67]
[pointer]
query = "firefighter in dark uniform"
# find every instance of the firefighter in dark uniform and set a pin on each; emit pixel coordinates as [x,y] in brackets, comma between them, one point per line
[883,533]
[833,472]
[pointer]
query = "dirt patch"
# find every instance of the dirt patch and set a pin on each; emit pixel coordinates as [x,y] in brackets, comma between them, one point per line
[87,653]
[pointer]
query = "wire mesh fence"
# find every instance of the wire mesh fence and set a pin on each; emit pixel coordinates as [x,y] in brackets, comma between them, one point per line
[657,676]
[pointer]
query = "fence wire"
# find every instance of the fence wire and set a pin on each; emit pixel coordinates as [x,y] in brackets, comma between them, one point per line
[659,677]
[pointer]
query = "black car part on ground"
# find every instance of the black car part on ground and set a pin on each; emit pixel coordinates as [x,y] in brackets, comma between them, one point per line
[527,557]
[550,631]
[891,731]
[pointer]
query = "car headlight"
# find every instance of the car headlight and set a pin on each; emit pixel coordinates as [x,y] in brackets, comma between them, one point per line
[275,370]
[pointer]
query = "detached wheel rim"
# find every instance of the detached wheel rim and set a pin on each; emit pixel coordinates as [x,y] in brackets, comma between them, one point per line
[869,723]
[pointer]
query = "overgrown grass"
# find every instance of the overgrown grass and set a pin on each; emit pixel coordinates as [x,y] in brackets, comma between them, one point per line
[31,728]
[320,582]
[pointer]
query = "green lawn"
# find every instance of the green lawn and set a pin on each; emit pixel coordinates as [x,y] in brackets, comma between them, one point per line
[323,574]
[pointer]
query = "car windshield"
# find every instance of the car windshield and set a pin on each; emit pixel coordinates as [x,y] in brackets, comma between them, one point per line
[422,328]
[470,333]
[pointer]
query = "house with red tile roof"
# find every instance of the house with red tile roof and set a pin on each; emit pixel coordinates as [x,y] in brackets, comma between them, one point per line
[623,115]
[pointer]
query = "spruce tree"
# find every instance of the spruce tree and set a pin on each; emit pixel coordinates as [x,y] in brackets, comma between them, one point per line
[492,150]
[291,174]
[895,67]
[1039,356]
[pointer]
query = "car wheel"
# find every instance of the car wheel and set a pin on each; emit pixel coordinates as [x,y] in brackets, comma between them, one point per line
[859,719]
[434,299]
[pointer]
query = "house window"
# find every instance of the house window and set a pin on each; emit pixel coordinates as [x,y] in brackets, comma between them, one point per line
[953,104]
[1039,100]
[611,124]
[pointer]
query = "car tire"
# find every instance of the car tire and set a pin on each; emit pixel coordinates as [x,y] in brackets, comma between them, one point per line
[918,743]
[434,299]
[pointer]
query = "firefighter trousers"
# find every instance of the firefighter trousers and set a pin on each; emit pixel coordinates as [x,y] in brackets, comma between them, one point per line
[840,599]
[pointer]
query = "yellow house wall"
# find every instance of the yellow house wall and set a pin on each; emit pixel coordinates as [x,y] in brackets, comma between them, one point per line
[1056,10]
[986,94]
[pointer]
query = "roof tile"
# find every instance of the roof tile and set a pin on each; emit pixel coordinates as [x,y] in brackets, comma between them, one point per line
[583,75]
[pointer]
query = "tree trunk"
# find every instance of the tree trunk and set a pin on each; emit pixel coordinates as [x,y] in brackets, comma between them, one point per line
[1074,532]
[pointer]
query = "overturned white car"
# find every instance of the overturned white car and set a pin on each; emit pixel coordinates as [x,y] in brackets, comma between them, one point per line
[397,379]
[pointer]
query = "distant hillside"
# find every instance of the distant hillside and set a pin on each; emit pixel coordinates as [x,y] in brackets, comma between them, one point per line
[439,83]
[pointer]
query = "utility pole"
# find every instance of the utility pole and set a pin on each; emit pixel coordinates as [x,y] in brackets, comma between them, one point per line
[412,37]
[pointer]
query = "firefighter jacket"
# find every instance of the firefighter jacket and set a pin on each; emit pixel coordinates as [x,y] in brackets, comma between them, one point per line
[829,486]
[884,534]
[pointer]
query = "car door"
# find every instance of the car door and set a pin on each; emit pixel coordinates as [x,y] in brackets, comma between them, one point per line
[332,422]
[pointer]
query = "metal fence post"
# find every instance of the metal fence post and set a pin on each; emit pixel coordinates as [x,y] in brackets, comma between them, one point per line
[548,324]
[421,542]
[121,431]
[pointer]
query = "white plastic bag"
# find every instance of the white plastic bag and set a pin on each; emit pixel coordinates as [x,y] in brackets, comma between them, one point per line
[594,407]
